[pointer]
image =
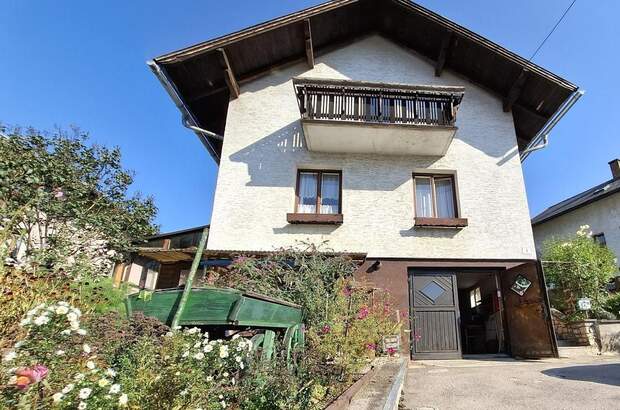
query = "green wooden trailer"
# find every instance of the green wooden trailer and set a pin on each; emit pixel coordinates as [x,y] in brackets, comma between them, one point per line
[226,308]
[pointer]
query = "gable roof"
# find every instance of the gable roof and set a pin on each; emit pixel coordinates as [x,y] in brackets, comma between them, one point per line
[587,197]
[200,77]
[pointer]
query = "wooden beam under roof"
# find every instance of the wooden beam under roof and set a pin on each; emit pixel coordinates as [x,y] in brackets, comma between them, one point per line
[515,90]
[308,43]
[444,50]
[229,75]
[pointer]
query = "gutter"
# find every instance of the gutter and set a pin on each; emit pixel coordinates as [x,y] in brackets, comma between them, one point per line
[188,119]
[540,140]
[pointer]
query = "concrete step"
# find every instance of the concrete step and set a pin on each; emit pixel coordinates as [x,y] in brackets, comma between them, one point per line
[577,351]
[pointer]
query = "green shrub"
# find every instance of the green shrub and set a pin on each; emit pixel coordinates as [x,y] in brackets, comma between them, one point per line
[612,304]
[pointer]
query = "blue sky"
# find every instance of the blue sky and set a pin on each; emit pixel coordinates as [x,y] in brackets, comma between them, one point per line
[83,63]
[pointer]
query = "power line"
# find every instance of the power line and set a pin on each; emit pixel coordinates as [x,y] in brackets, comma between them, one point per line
[552,30]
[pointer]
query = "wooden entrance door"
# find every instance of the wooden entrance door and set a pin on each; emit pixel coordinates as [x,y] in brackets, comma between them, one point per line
[435,315]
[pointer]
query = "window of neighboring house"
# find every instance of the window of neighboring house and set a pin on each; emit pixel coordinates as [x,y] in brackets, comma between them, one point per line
[600,239]
[475,299]
[435,196]
[319,192]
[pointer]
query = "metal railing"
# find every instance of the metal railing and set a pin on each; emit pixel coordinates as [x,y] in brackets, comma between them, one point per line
[341,100]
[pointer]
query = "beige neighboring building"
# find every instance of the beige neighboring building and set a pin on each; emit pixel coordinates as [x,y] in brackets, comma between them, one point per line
[394,135]
[598,207]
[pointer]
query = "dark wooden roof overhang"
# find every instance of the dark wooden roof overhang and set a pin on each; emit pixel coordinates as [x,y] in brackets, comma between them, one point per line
[207,75]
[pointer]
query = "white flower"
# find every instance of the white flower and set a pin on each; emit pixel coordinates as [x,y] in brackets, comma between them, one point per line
[57,397]
[238,359]
[116,388]
[85,393]
[199,356]
[90,364]
[209,378]
[72,317]
[66,332]
[192,330]
[86,348]
[208,348]
[41,320]
[68,388]
[223,351]
[110,372]
[82,405]
[220,397]
[185,354]
[123,399]
[235,336]
[59,352]
[81,332]
[196,345]
[13,379]
[225,374]
[24,322]
[223,404]
[103,382]
[79,376]
[62,310]
[232,380]
[241,366]
[74,325]
[9,356]
[177,373]
[183,392]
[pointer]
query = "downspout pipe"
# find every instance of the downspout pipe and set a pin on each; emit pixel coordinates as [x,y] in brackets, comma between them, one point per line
[187,118]
[541,139]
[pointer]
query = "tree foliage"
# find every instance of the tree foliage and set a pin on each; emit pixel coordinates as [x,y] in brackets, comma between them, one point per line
[62,197]
[578,267]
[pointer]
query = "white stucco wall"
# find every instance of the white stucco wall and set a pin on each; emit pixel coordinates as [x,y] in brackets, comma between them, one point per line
[602,216]
[263,148]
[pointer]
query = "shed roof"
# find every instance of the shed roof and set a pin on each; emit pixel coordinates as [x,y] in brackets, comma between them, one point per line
[201,75]
[587,197]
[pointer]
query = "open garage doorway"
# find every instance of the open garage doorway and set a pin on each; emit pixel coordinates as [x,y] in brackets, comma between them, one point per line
[481,313]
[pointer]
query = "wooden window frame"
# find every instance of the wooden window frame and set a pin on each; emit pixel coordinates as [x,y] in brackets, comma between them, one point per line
[317,217]
[433,221]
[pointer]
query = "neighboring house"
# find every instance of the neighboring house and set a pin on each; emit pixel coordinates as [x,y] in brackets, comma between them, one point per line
[162,261]
[388,131]
[598,207]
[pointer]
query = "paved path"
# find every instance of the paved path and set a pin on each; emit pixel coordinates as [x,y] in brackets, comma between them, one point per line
[502,383]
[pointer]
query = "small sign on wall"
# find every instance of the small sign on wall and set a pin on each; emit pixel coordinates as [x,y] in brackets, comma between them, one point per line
[584,304]
[521,285]
[391,344]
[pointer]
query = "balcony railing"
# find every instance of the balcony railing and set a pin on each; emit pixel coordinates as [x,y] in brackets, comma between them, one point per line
[376,103]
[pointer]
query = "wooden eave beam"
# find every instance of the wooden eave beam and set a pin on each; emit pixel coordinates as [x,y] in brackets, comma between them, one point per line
[308,43]
[229,75]
[446,44]
[515,90]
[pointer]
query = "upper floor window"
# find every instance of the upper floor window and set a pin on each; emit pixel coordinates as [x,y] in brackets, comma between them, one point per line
[435,200]
[600,239]
[318,192]
[318,196]
[435,196]
[475,298]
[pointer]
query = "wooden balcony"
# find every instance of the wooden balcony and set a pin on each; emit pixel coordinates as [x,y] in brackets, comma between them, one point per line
[374,118]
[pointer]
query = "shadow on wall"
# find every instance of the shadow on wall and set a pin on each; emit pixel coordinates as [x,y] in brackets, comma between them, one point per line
[305,229]
[383,61]
[429,233]
[598,373]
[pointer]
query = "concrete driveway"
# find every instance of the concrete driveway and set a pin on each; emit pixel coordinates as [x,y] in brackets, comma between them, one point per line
[504,383]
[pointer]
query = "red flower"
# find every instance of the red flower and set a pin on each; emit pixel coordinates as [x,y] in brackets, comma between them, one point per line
[371,346]
[27,376]
[391,351]
[326,329]
[363,313]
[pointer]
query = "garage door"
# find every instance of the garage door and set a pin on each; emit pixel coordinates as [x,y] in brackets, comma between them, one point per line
[435,315]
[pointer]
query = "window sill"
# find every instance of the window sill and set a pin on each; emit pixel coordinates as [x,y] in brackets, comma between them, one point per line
[440,222]
[325,219]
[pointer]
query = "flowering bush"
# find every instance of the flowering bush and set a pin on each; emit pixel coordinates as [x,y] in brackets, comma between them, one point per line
[36,369]
[186,371]
[578,267]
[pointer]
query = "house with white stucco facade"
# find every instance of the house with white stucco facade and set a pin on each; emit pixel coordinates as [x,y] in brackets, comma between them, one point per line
[597,207]
[392,134]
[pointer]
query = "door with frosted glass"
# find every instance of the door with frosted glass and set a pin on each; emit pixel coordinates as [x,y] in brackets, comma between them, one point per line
[435,315]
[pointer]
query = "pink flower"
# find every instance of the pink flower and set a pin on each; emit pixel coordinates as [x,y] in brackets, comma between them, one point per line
[326,329]
[27,376]
[391,351]
[347,291]
[371,346]
[363,313]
